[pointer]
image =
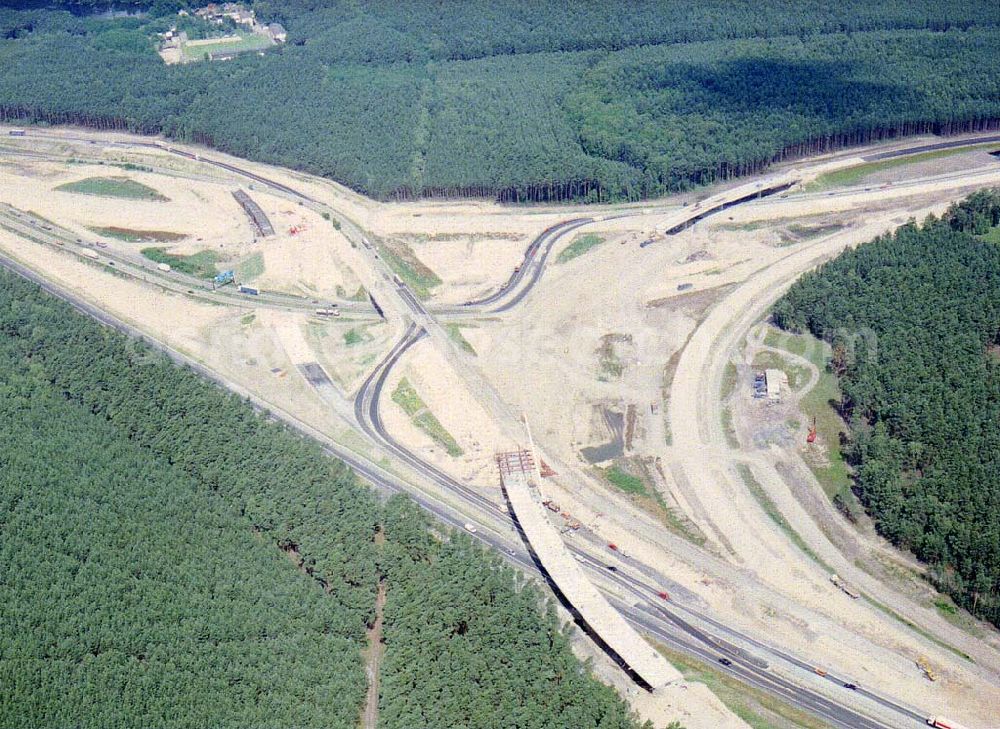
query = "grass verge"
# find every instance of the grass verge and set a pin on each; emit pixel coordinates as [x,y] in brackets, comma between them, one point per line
[626,481]
[649,498]
[407,398]
[771,509]
[200,264]
[455,334]
[580,245]
[119,187]
[757,708]
[853,175]
[916,628]
[410,269]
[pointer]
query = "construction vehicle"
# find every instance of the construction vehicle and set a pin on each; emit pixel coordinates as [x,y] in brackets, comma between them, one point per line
[224,278]
[924,665]
[811,438]
[941,723]
[844,587]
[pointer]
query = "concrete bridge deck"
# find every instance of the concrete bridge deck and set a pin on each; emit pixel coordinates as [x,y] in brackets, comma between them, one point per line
[650,669]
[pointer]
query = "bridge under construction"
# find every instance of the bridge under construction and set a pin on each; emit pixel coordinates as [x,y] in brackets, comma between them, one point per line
[519,479]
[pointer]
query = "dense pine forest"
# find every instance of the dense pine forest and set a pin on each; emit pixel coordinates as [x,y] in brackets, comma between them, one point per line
[172,558]
[521,101]
[923,395]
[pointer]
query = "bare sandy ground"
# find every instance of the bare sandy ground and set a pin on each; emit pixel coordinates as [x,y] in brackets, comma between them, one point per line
[447,399]
[729,506]
[549,358]
[202,211]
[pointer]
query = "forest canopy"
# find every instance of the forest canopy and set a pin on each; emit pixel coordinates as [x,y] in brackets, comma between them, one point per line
[172,558]
[923,394]
[522,100]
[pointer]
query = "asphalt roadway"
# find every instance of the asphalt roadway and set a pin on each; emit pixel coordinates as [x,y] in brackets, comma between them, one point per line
[650,614]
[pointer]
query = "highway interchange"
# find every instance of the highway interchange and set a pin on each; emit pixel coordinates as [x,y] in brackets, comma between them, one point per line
[683,627]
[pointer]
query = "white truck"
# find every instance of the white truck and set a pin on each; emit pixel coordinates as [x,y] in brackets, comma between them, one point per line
[165,267]
[941,723]
[470,528]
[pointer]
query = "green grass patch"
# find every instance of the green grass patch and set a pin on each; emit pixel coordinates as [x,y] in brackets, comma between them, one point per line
[729,378]
[626,481]
[610,366]
[580,245]
[729,428]
[131,167]
[131,235]
[119,187]
[410,269]
[248,319]
[826,463]
[455,334]
[647,497]
[992,236]
[407,398]
[946,606]
[854,175]
[916,628]
[757,708]
[251,267]
[200,264]
[353,336]
[748,227]
[798,233]
[248,42]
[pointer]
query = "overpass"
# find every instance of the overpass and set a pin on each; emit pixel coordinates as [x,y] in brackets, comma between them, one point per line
[595,615]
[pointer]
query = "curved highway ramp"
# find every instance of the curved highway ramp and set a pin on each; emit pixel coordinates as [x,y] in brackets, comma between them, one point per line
[601,621]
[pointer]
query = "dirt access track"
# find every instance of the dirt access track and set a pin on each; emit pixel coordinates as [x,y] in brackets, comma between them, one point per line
[604,330]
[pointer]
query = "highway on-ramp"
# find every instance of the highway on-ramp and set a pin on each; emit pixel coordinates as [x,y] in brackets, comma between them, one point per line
[659,621]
